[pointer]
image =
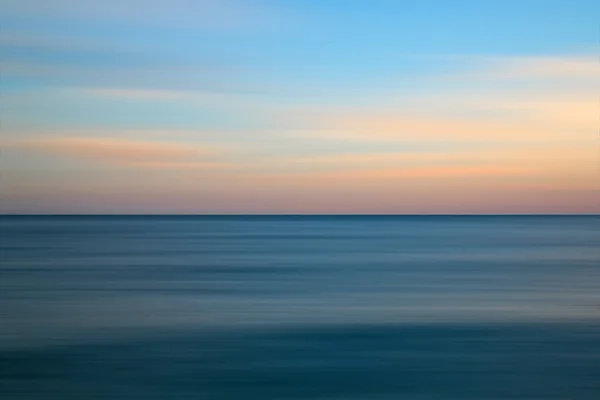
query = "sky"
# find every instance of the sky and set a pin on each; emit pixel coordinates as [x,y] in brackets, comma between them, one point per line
[300,106]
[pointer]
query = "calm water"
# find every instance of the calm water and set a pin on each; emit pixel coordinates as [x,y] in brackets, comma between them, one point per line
[306,307]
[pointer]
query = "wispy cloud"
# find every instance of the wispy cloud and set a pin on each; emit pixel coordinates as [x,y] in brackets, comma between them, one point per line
[541,125]
[90,61]
[222,99]
[536,67]
[143,75]
[207,14]
[456,157]
[495,112]
[119,151]
[140,94]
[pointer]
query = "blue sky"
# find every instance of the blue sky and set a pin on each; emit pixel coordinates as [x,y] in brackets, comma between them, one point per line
[380,93]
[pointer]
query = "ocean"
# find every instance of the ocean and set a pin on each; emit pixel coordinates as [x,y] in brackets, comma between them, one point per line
[324,307]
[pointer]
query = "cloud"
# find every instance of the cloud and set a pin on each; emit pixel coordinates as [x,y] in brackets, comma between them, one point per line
[206,14]
[520,102]
[536,68]
[437,177]
[142,75]
[117,151]
[385,126]
[460,157]
[226,100]
[140,94]
[92,62]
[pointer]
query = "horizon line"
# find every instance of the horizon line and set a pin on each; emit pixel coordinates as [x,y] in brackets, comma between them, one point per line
[282,214]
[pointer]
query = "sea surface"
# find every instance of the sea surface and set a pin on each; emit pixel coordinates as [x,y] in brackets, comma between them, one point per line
[300,307]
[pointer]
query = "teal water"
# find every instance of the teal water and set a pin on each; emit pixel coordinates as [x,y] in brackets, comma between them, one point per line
[300,307]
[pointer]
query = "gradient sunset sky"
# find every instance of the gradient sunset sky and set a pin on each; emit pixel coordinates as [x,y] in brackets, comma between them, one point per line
[300,106]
